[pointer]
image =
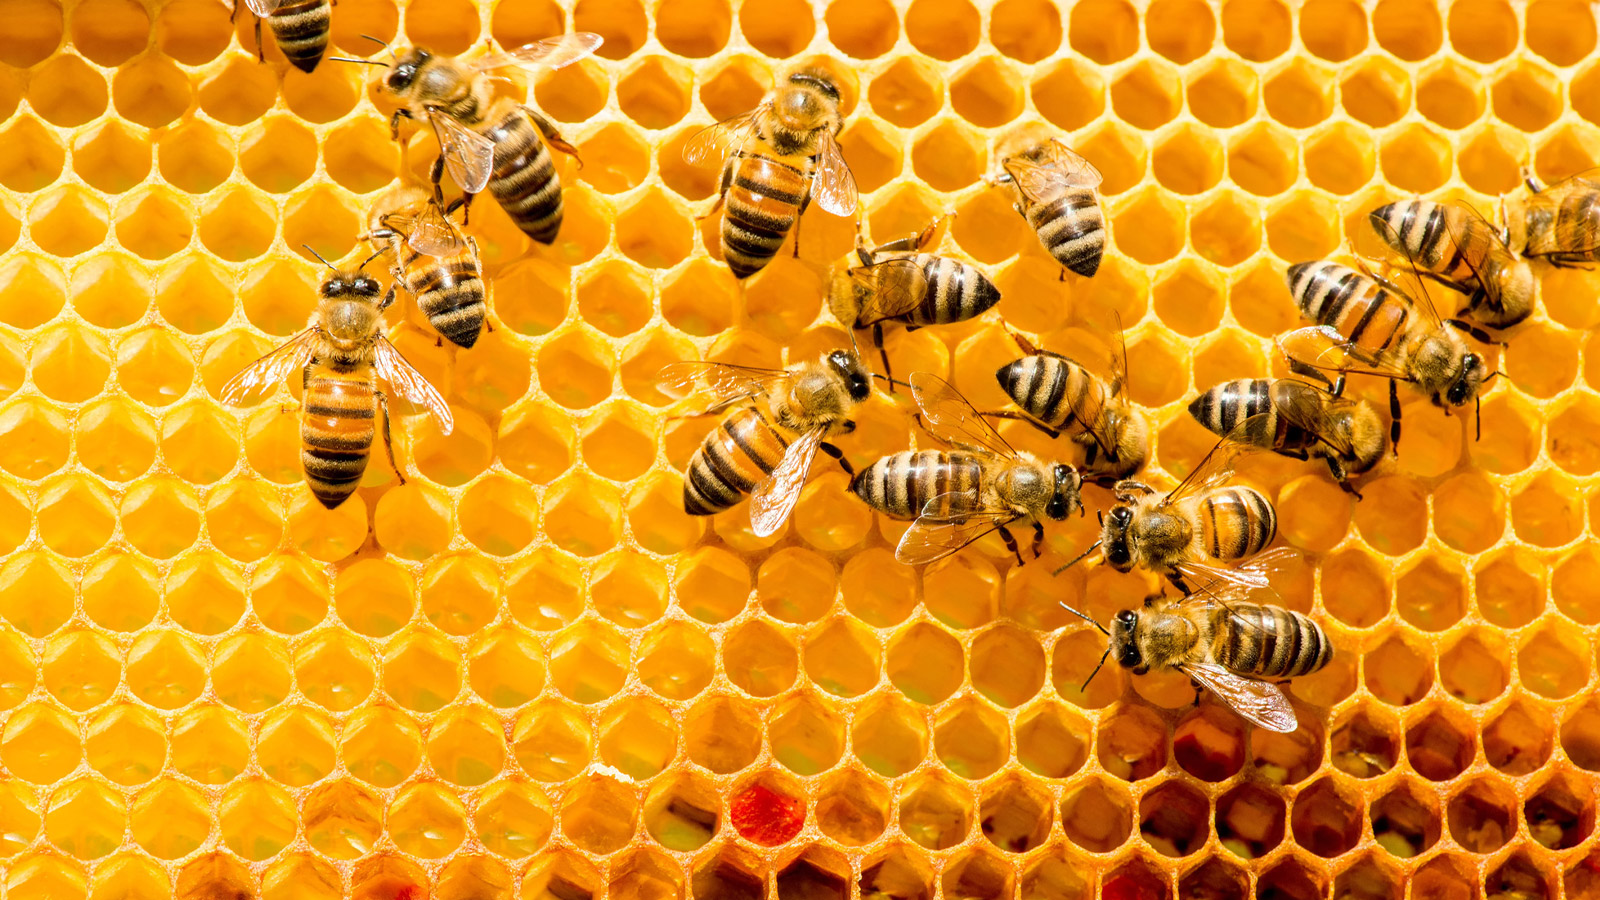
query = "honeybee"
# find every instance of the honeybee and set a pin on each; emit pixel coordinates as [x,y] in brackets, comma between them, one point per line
[1369,325]
[1295,419]
[1558,223]
[1056,193]
[766,445]
[1203,527]
[958,496]
[300,27]
[900,283]
[486,141]
[1225,645]
[1455,245]
[1061,395]
[774,158]
[433,259]
[338,354]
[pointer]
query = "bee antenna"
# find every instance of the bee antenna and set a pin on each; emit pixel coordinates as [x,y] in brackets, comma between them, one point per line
[904,384]
[1477,413]
[1097,669]
[1092,548]
[319,257]
[364,62]
[374,256]
[1086,618]
[382,43]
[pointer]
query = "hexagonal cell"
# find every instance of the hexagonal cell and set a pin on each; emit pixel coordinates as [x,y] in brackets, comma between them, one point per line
[1326,820]
[1553,663]
[126,744]
[907,93]
[1007,666]
[1096,816]
[1299,95]
[1376,92]
[1104,30]
[1258,30]
[1527,98]
[1263,161]
[1131,744]
[1482,817]
[971,739]
[986,94]
[768,809]
[1561,31]
[68,221]
[1545,363]
[47,586]
[1560,814]
[1224,94]
[1408,29]
[1450,95]
[935,813]
[1483,30]
[1189,299]
[1547,512]
[978,873]
[67,92]
[655,92]
[1015,815]
[1519,875]
[1068,94]
[843,658]
[1150,228]
[948,158]
[779,29]
[1209,743]
[334,671]
[1147,96]
[1180,30]
[422,672]
[1188,161]
[1173,819]
[759,659]
[1405,820]
[896,871]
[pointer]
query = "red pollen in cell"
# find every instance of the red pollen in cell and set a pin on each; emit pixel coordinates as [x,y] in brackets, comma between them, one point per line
[766,816]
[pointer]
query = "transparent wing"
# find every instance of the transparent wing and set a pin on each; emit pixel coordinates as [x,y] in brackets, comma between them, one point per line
[550,53]
[721,381]
[1312,411]
[898,286]
[272,369]
[1573,234]
[1226,584]
[1057,166]
[409,383]
[774,498]
[433,234]
[951,418]
[1322,347]
[1260,702]
[713,142]
[1402,280]
[264,8]
[935,535]
[1217,466]
[832,183]
[468,155]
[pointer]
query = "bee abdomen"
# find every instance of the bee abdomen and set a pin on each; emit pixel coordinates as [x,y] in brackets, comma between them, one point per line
[1047,388]
[1224,408]
[901,484]
[956,292]
[336,433]
[524,179]
[1349,302]
[301,29]
[1272,642]
[763,202]
[450,293]
[1072,229]
[1577,220]
[1236,523]
[743,449]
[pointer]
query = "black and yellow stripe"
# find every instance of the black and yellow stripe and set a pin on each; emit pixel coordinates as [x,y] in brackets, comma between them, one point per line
[1072,228]
[742,450]
[1269,642]
[1576,219]
[1256,401]
[1236,523]
[1049,388]
[1365,312]
[301,28]
[953,291]
[449,292]
[763,201]
[524,179]
[337,424]
[900,485]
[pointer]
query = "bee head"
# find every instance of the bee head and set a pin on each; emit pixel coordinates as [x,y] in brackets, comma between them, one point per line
[404,72]
[849,368]
[1466,385]
[804,107]
[1123,643]
[1064,497]
[1114,535]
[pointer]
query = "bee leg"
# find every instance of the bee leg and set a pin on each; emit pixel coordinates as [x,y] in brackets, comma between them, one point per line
[1394,412]
[1038,539]
[552,136]
[1011,543]
[877,341]
[1006,414]
[800,214]
[838,455]
[394,122]
[1478,334]
[388,439]
[1178,582]
[436,175]
[261,51]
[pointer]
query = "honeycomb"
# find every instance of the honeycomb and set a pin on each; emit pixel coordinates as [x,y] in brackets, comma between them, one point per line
[526,673]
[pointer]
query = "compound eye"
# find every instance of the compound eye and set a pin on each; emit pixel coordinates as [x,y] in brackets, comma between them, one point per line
[334,288]
[1121,515]
[366,286]
[1127,617]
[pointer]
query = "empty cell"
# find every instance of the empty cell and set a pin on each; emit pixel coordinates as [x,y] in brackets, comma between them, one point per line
[75,516]
[1257,30]
[1214,877]
[81,669]
[458,593]
[1393,515]
[36,157]
[655,92]
[712,584]
[806,737]
[1334,30]
[1561,31]
[160,518]
[729,872]
[209,744]
[960,592]
[1396,673]
[535,443]
[1481,816]
[334,671]
[1150,228]
[843,658]
[1431,595]
[1263,161]
[986,94]
[615,298]
[422,673]
[552,741]
[513,819]
[42,589]
[1482,30]
[583,517]
[506,668]
[1405,820]
[977,873]
[1473,669]
[1291,879]
[1527,98]
[116,440]
[67,92]
[1223,94]
[574,370]
[111,158]
[1007,666]
[1180,30]
[1147,96]
[1173,819]
[1518,875]
[1376,92]
[1553,663]
[1450,95]
[239,226]
[1189,161]
[1340,158]
[949,158]
[166,670]
[1548,512]
[155,224]
[629,592]
[321,220]
[286,593]
[1326,820]
[971,739]
[1104,30]
[34,33]
[1562,153]
[375,597]
[1069,94]
[907,93]
[1096,816]
[1299,95]
[1130,743]
[1409,29]
[1155,373]
[636,738]
[119,592]
[1491,163]
[296,746]
[1366,744]
[240,93]
[1189,299]
[40,744]
[588,663]
[1519,740]
[85,819]
[68,221]
[934,812]
[795,585]
[152,92]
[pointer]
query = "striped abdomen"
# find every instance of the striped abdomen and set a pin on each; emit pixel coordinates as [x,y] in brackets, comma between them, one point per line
[1049,387]
[301,30]
[1357,307]
[1269,642]
[742,450]
[1071,227]
[1235,523]
[1567,231]
[762,204]
[1230,404]
[901,484]
[950,291]
[336,429]
[524,179]
[449,291]
[1422,230]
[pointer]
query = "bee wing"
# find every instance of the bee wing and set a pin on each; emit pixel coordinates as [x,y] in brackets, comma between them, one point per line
[1575,235]
[1402,280]
[774,498]
[935,535]
[264,8]
[1224,583]
[714,141]
[951,418]
[271,369]
[467,154]
[723,382]
[834,186]
[1059,167]
[1261,702]
[1323,347]
[409,383]
[433,234]
[895,295]
[1315,416]
[1217,466]
[550,53]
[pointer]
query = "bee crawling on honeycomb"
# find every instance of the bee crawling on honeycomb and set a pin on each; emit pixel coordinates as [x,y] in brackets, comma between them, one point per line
[1056,190]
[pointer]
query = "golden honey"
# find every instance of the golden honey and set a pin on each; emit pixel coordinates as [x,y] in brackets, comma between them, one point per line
[526,673]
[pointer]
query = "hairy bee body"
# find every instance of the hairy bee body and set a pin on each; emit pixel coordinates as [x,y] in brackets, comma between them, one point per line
[1063,395]
[1559,223]
[901,484]
[1070,226]
[938,291]
[742,450]
[524,180]
[449,287]
[1295,419]
[1235,523]
[1146,530]
[337,426]
[1459,248]
[301,29]
[764,198]
[1249,639]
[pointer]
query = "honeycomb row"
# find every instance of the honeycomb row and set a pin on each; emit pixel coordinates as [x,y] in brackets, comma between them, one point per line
[113,32]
